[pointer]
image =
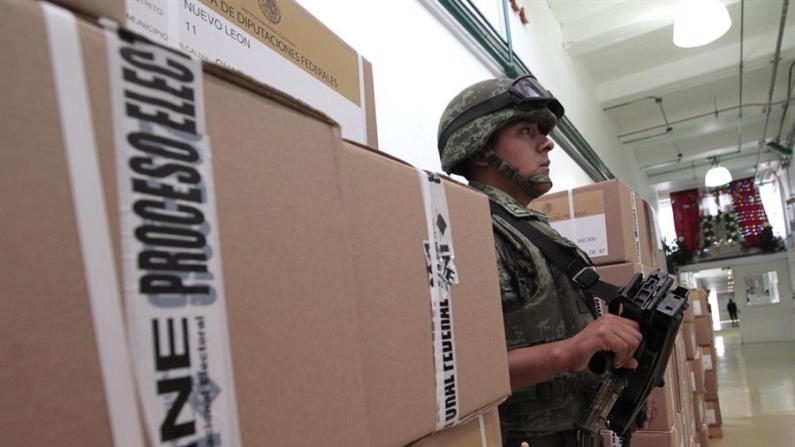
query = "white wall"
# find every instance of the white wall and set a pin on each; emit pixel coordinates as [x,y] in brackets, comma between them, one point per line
[421,58]
[771,322]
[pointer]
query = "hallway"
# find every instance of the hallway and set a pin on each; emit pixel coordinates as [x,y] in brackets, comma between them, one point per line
[756,385]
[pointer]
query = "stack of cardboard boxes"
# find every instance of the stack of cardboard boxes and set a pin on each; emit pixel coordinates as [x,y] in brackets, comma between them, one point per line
[617,229]
[702,329]
[198,258]
[611,223]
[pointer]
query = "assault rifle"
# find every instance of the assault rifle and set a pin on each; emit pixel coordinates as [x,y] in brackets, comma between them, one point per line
[621,399]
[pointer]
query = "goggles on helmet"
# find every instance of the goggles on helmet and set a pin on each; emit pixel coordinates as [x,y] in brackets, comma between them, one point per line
[526,94]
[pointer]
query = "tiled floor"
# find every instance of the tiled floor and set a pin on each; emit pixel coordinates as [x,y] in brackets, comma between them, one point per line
[756,386]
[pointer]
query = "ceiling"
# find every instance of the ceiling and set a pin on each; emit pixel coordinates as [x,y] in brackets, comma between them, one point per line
[674,107]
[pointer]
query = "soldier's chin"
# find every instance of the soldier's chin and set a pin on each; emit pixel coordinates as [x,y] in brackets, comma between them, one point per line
[541,184]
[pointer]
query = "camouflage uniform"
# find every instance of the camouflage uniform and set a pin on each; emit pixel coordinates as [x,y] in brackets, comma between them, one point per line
[540,303]
[552,309]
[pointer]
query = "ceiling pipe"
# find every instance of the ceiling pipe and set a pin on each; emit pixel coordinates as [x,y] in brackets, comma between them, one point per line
[702,115]
[786,104]
[772,83]
[694,164]
[631,102]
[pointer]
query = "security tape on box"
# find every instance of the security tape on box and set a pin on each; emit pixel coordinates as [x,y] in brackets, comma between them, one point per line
[442,274]
[178,335]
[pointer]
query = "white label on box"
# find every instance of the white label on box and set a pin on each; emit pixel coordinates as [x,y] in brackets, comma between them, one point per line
[712,417]
[697,308]
[706,360]
[230,33]
[71,89]
[442,274]
[173,282]
[589,233]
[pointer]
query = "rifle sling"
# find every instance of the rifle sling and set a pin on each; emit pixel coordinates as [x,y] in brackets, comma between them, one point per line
[582,274]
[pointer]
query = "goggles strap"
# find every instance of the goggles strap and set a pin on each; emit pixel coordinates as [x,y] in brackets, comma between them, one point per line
[527,185]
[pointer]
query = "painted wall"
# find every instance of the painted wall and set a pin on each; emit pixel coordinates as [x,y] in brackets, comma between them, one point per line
[421,58]
[770,322]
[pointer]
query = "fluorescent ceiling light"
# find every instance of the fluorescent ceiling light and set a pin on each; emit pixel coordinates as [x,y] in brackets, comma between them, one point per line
[699,22]
[717,176]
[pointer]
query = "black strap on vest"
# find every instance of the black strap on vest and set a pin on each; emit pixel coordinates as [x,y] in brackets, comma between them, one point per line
[580,273]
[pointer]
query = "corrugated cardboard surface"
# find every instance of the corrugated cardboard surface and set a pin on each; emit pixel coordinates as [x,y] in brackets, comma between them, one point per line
[620,274]
[271,299]
[666,398]
[714,418]
[703,436]
[711,385]
[697,367]
[668,438]
[116,10]
[709,358]
[296,303]
[483,431]
[394,304]
[703,327]
[699,409]
[698,301]
[619,219]
[689,334]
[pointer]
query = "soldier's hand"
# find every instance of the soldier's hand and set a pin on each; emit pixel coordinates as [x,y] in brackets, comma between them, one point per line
[608,333]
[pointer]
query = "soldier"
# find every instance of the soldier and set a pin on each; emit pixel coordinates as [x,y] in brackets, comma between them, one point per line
[494,133]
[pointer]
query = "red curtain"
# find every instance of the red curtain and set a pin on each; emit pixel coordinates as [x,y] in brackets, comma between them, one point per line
[687,219]
[750,211]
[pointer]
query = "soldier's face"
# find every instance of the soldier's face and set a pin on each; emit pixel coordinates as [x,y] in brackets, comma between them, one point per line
[522,146]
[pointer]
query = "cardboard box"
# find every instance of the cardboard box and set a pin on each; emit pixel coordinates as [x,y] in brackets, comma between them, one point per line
[711,385]
[280,44]
[714,418]
[482,431]
[699,410]
[698,299]
[703,436]
[689,314]
[376,189]
[685,390]
[697,373]
[666,399]
[605,223]
[621,274]
[297,306]
[703,326]
[709,358]
[670,438]
[689,334]
[715,432]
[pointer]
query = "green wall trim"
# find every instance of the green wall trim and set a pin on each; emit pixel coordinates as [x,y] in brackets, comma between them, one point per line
[565,134]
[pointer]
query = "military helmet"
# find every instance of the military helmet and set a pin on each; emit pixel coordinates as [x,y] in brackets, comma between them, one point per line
[475,114]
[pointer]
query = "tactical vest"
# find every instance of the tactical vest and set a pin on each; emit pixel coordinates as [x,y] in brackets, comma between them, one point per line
[541,305]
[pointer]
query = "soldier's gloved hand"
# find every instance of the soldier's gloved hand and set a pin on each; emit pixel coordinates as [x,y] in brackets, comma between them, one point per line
[608,333]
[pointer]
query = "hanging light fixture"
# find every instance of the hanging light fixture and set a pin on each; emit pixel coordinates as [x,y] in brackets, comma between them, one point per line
[717,174]
[699,22]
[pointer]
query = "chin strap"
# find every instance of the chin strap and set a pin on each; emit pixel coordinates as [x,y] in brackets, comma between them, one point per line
[532,186]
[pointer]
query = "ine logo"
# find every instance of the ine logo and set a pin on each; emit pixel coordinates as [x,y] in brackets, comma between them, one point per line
[547,208]
[271,10]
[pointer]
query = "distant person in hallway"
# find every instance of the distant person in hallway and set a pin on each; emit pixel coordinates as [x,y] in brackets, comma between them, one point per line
[732,308]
